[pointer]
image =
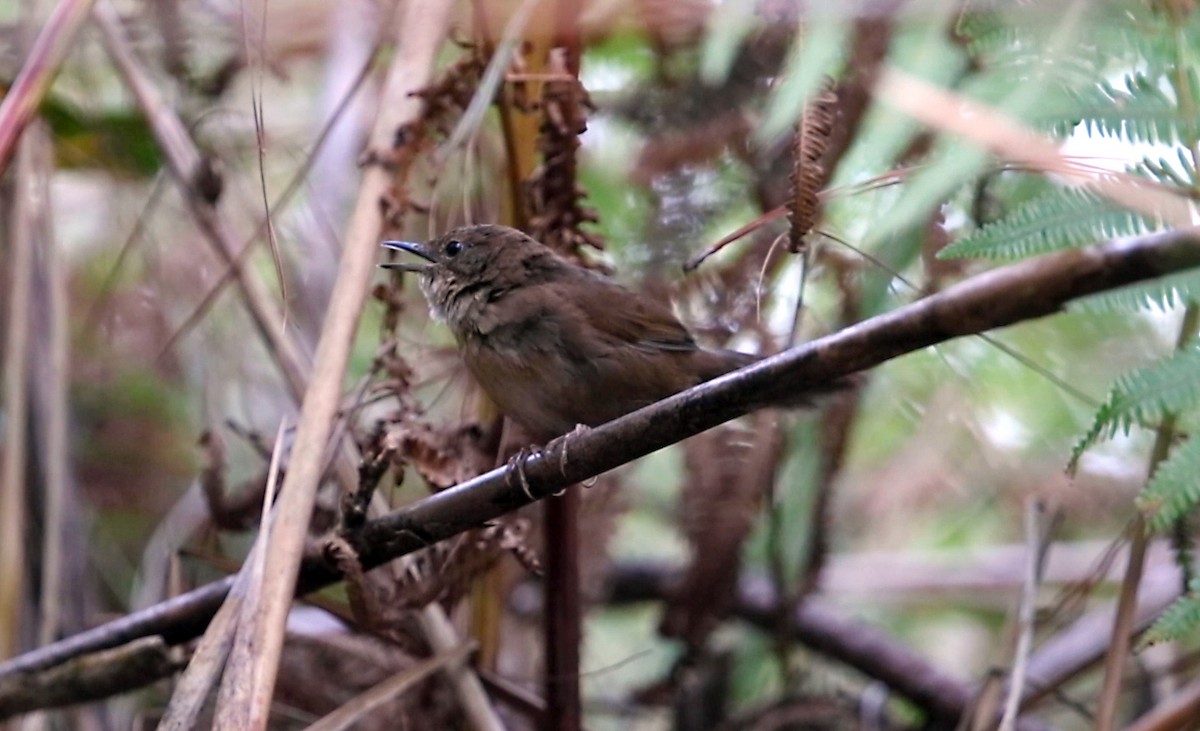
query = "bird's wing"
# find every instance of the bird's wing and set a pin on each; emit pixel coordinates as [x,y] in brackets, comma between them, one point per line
[623,316]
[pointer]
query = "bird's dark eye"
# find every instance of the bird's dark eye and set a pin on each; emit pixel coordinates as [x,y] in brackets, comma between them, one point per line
[453,248]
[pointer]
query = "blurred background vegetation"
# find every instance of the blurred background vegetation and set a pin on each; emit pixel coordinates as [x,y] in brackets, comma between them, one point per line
[902,506]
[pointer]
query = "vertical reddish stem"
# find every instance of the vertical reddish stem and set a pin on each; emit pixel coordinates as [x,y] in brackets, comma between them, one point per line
[564,612]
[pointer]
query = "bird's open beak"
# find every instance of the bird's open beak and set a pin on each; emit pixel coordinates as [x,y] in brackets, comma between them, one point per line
[411,248]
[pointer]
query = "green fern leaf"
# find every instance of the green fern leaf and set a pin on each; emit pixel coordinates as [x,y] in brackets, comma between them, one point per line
[1166,172]
[1062,218]
[1145,396]
[1142,111]
[1163,293]
[1173,491]
[987,34]
[1178,620]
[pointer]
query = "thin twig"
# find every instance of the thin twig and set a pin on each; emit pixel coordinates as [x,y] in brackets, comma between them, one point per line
[22,237]
[1014,293]
[1025,613]
[188,167]
[1083,644]
[362,705]
[50,387]
[294,186]
[234,699]
[440,633]
[1003,135]
[1122,630]
[24,97]
[420,34]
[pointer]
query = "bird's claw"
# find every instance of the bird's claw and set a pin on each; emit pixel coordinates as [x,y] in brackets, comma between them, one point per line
[516,464]
[561,443]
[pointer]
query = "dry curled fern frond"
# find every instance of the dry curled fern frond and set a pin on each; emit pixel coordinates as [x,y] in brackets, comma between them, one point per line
[809,171]
[444,572]
[729,474]
[554,197]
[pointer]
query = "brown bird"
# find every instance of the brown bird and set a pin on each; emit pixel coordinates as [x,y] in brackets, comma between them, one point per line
[553,344]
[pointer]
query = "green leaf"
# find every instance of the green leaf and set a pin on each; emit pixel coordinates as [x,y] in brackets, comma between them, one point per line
[728,26]
[1059,219]
[1174,490]
[919,49]
[816,54]
[1163,293]
[1179,619]
[1145,396]
[1143,110]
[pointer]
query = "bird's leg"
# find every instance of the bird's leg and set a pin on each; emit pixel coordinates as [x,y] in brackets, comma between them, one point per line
[562,442]
[516,464]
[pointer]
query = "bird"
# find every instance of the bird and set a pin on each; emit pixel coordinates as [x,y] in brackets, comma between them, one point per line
[554,345]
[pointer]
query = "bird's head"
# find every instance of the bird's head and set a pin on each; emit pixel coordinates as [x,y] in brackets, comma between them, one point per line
[471,266]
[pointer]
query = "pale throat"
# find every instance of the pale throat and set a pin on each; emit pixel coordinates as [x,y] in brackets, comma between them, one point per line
[448,305]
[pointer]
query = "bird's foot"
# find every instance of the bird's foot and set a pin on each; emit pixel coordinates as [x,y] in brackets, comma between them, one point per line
[516,465]
[562,443]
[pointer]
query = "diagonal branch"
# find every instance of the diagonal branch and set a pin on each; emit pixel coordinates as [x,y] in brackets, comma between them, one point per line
[420,34]
[1023,291]
[192,172]
[21,101]
[818,626]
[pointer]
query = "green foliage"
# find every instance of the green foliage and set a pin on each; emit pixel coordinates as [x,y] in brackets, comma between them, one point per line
[120,143]
[728,27]
[1179,620]
[986,33]
[1146,396]
[1151,49]
[1143,109]
[1058,219]
[1163,294]
[814,55]
[1166,172]
[1173,490]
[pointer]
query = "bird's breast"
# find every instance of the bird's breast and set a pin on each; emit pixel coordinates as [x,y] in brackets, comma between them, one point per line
[527,382]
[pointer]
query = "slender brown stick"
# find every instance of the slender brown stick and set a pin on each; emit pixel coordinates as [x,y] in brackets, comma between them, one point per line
[1122,634]
[188,167]
[1004,296]
[50,409]
[421,32]
[563,612]
[860,646]
[372,699]
[23,98]
[563,606]
[1026,613]
[22,236]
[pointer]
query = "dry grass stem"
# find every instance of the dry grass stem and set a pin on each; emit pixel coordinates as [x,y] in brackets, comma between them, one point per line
[1008,138]
[20,103]
[420,33]
[189,169]
[1035,547]
[22,237]
[366,703]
